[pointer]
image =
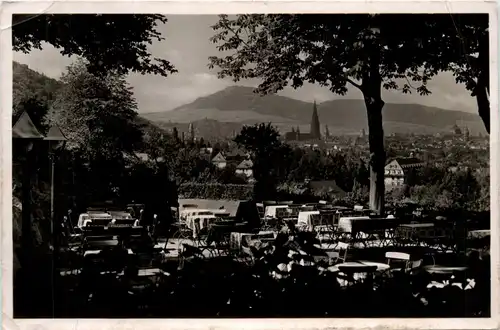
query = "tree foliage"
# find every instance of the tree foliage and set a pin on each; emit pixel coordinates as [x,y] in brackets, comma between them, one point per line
[463,48]
[97,113]
[107,41]
[262,140]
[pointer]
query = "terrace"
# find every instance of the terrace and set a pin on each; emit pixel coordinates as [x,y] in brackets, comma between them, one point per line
[214,263]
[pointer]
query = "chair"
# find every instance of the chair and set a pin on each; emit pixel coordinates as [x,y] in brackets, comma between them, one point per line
[399,258]
[343,251]
[70,237]
[415,264]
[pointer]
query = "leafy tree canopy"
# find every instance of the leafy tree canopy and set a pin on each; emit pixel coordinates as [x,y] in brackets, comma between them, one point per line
[463,48]
[108,42]
[259,138]
[97,113]
[330,50]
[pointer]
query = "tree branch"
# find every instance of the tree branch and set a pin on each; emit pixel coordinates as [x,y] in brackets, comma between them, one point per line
[409,83]
[236,34]
[353,83]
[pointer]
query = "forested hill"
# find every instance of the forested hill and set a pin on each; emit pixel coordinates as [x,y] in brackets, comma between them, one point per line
[35,92]
[29,84]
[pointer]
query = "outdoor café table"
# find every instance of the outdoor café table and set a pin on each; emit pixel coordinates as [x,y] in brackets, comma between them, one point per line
[412,232]
[446,274]
[144,272]
[354,272]
[239,239]
[443,269]
[205,222]
[365,229]
[345,228]
[379,267]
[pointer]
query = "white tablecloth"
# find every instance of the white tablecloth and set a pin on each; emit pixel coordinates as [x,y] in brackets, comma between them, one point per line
[204,220]
[345,223]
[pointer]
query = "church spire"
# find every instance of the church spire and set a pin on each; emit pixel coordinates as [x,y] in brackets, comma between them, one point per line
[315,128]
[191,132]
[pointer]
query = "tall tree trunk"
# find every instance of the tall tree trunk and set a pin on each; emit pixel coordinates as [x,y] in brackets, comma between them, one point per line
[372,93]
[377,153]
[483,83]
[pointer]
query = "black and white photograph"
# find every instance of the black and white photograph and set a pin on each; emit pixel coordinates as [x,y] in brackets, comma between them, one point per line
[262,165]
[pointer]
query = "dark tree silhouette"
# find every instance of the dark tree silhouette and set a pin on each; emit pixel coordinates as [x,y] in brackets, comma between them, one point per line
[107,41]
[464,50]
[262,141]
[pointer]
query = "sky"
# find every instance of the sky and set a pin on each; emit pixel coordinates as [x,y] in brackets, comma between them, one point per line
[187,47]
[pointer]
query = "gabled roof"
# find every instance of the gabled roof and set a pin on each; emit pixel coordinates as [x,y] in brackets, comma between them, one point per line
[235,153]
[218,158]
[55,134]
[24,128]
[245,165]
[408,162]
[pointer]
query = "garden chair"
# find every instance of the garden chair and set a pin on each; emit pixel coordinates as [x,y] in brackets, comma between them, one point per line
[343,249]
[70,237]
[398,261]
[179,230]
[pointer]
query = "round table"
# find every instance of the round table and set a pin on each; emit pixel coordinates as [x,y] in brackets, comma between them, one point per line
[443,269]
[359,264]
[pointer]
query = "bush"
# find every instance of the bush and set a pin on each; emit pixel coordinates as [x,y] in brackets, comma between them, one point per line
[216,191]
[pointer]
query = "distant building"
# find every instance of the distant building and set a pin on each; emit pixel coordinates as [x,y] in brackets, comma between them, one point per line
[398,170]
[315,133]
[235,156]
[219,161]
[245,168]
[192,136]
[315,126]
[456,130]
[327,133]
[466,134]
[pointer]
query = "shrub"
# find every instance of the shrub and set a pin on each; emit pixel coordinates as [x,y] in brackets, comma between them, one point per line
[215,191]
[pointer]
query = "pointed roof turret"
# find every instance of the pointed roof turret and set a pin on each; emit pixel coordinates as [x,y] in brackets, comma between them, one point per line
[24,128]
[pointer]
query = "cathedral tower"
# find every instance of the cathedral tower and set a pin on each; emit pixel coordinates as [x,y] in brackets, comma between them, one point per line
[315,127]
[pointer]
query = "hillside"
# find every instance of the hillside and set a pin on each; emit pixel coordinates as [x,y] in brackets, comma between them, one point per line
[240,105]
[28,84]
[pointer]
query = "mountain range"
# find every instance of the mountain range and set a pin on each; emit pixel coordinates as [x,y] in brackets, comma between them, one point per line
[224,113]
[229,109]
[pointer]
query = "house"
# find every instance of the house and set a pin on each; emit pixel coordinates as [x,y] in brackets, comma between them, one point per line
[398,170]
[235,157]
[245,168]
[219,161]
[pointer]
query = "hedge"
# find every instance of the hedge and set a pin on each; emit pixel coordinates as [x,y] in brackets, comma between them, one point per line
[215,191]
